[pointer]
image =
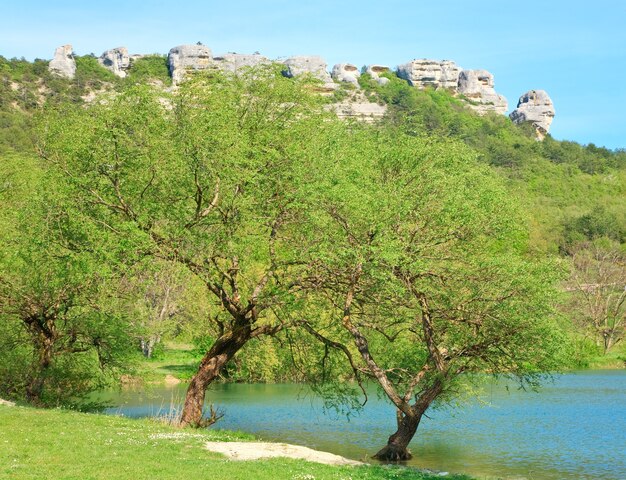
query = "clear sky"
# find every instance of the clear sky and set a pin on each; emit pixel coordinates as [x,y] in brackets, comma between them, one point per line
[573,49]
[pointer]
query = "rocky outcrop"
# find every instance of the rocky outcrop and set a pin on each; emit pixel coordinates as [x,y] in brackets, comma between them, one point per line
[358,107]
[63,63]
[535,106]
[188,58]
[422,73]
[346,73]
[474,86]
[478,87]
[302,65]
[235,62]
[375,71]
[116,60]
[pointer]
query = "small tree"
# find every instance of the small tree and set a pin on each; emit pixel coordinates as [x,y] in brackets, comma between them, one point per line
[598,287]
[162,299]
[421,255]
[60,328]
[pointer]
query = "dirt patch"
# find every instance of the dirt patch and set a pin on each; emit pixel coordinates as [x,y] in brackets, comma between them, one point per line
[257,450]
[171,380]
[6,403]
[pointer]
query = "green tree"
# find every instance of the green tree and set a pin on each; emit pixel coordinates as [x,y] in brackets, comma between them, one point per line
[598,287]
[207,178]
[60,330]
[162,299]
[421,256]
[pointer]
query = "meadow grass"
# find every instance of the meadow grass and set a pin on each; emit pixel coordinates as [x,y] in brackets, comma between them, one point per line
[63,444]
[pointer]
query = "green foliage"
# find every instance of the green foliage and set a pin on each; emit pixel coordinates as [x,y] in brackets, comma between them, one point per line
[494,136]
[150,68]
[596,224]
[90,74]
[559,182]
[61,333]
[71,445]
[396,202]
[16,132]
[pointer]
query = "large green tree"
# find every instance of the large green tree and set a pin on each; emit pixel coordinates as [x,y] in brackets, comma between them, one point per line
[422,256]
[209,178]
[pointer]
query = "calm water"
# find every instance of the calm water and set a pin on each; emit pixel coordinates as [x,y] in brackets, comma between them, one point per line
[572,429]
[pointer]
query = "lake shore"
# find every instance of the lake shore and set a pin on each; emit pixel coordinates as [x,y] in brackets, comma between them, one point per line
[57,444]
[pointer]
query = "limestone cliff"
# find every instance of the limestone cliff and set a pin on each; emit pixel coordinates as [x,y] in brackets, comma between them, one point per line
[476,87]
[424,73]
[346,72]
[186,58]
[235,62]
[116,60]
[63,63]
[535,106]
[375,71]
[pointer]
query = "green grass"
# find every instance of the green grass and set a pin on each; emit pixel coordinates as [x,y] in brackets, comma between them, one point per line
[178,360]
[616,358]
[62,444]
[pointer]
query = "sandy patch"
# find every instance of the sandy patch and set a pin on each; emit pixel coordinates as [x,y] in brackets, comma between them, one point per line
[171,380]
[6,403]
[256,450]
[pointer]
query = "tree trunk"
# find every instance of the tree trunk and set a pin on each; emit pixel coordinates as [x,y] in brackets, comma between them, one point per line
[147,346]
[397,445]
[212,363]
[34,390]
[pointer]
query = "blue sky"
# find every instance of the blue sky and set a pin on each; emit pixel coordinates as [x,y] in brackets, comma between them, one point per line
[573,49]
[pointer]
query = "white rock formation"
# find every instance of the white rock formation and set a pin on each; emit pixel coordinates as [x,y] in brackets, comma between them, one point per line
[358,107]
[478,87]
[422,73]
[116,60]
[311,64]
[347,73]
[234,62]
[365,111]
[535,106]
[63,63]
[186,58]
[375,71]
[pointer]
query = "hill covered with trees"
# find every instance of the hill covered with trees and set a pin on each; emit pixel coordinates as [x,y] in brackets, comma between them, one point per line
[238,213]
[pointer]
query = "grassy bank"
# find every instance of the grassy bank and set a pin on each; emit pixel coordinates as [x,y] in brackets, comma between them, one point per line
[612,360]
[61,444]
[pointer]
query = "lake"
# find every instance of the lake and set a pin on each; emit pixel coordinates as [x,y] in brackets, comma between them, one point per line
[574,428]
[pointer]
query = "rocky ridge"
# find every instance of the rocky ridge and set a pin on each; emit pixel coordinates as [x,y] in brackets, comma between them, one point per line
[185,58]
[233,62]
[476,87]
[346,72]
[424,73]
[116,60]
[535,106]
[63,63]
[375,71]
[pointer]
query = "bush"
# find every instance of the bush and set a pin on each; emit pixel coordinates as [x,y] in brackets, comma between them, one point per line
[150,67]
